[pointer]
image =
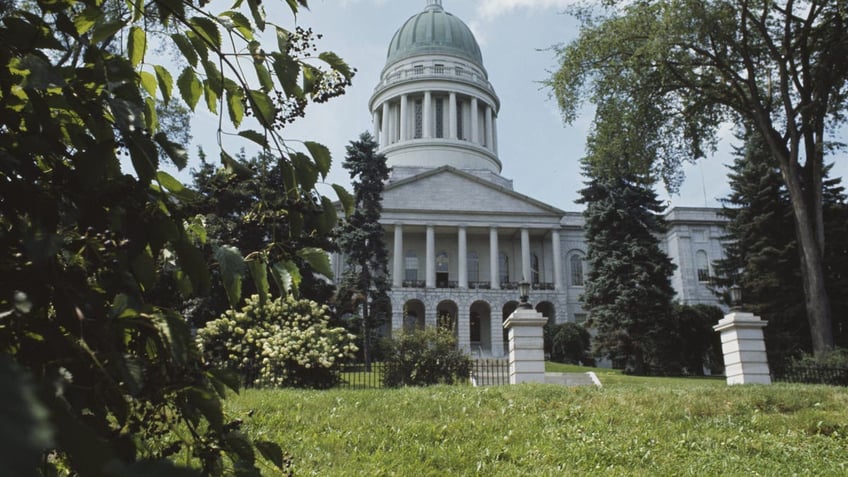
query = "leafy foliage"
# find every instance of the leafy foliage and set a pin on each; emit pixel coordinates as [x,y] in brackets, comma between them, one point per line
[680,69]
[86,246]
[761,251]
[570,343]
[425,357]
[283,342]
[696,344]
[362,240]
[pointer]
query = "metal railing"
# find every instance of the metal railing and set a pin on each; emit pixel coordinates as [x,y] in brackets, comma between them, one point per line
[810,375]
[489,372]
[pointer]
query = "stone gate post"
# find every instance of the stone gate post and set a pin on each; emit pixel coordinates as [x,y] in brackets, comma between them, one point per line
[526,346]
[744,348]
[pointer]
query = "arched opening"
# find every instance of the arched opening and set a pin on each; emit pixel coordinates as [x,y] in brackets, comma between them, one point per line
[576,270]
[480,327]
[413,316]
[382,317]
[547,310]
[446,316]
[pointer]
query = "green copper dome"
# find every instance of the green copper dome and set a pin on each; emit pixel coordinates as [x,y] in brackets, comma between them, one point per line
[434,31]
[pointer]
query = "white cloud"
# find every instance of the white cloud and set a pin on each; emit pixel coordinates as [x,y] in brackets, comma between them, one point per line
[491,9]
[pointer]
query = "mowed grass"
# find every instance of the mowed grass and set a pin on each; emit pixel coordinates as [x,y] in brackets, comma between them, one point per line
[631,426]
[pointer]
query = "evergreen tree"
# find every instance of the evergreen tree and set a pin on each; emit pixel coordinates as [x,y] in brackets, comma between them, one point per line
[361,239]
[761,252]
[628,290]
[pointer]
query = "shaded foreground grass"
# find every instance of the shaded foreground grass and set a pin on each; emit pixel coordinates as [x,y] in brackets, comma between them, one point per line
[632,428]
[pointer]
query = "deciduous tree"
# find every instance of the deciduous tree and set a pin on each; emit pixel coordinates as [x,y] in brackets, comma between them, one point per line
[777,65]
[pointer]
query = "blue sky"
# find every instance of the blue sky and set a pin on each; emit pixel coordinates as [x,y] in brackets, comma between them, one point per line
[538,151]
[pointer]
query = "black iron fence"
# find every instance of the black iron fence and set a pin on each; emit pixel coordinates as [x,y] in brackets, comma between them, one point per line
[810,375]
[489,372]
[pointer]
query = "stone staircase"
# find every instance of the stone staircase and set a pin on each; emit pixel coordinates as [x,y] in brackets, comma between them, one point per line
[573,379]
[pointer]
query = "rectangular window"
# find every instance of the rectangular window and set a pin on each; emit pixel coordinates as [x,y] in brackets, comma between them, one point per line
[419,118]
[440,69]
[580,318]
[459,71]
[440,118]
[418,70]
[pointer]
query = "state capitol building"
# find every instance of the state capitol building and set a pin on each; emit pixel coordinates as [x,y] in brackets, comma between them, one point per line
[459,236]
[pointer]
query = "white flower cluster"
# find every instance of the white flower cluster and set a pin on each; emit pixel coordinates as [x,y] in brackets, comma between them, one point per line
[271,344]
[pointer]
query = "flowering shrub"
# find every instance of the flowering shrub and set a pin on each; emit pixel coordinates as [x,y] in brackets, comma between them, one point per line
[286,342]
[425,357]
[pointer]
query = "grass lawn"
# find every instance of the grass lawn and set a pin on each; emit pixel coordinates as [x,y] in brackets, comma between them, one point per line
[631,426]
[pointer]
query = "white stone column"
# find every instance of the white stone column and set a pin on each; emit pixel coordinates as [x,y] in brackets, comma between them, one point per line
[397,272]
[404,118]
[497,329]
[452,116]
[428,115]
[431,257]
[397,318]
[494,273]
[463,329]
[385,135]
[525,255]
[526,346]
[490,137]
[745,360]
[495,134]
[462,266]
[555,246]
[475,126]
[375,119]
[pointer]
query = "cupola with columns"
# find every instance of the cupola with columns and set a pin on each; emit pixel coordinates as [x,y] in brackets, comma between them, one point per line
[434,105]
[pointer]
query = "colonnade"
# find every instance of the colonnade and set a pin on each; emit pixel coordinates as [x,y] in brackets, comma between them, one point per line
[462,259]
[398,119]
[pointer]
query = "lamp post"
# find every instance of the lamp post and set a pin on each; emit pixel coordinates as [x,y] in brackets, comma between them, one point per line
[524,295]
[736,298]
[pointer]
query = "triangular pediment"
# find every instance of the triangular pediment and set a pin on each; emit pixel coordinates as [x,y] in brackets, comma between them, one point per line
[447,189]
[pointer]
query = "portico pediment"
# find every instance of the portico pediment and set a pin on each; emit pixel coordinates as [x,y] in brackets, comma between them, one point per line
[450,190]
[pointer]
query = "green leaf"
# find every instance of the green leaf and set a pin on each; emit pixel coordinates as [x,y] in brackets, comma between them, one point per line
[345,198]
[232,266]
[211,97]
[318,259]
[208,30]
[86,20]
[258,12]
[235,106]
[190,87]
[286,275]
[176,152]
[229,378]
[337,64]
[287,70]
[106,30]
[241,23]
[169,182]
[186,48]
[136,45]
[166,82]
[193,264]
[305,170]
[199,45]
[236,167]
[148,82]
[143,155]
[259,272]
[264,76]
[144,269]
[151,117]
[311,76]
[321,156]
[255,136]
[273,452]
[208,405]
[263,107]
[214,78]
[329,216]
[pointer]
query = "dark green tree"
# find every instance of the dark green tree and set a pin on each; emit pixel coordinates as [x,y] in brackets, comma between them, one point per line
[365,284]
[761,252]
[106,378]
[776,65]
[628,289]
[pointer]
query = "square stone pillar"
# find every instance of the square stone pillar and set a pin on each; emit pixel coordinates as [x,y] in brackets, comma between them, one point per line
[744,348]
[526,346]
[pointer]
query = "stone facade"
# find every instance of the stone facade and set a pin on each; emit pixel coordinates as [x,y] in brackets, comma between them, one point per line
[459,236]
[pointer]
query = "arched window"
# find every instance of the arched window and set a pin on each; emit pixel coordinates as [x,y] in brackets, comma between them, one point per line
[411,266]
[702,266]
[503,267]
[418,118]
[534,269]
[473,267]
[575,265]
